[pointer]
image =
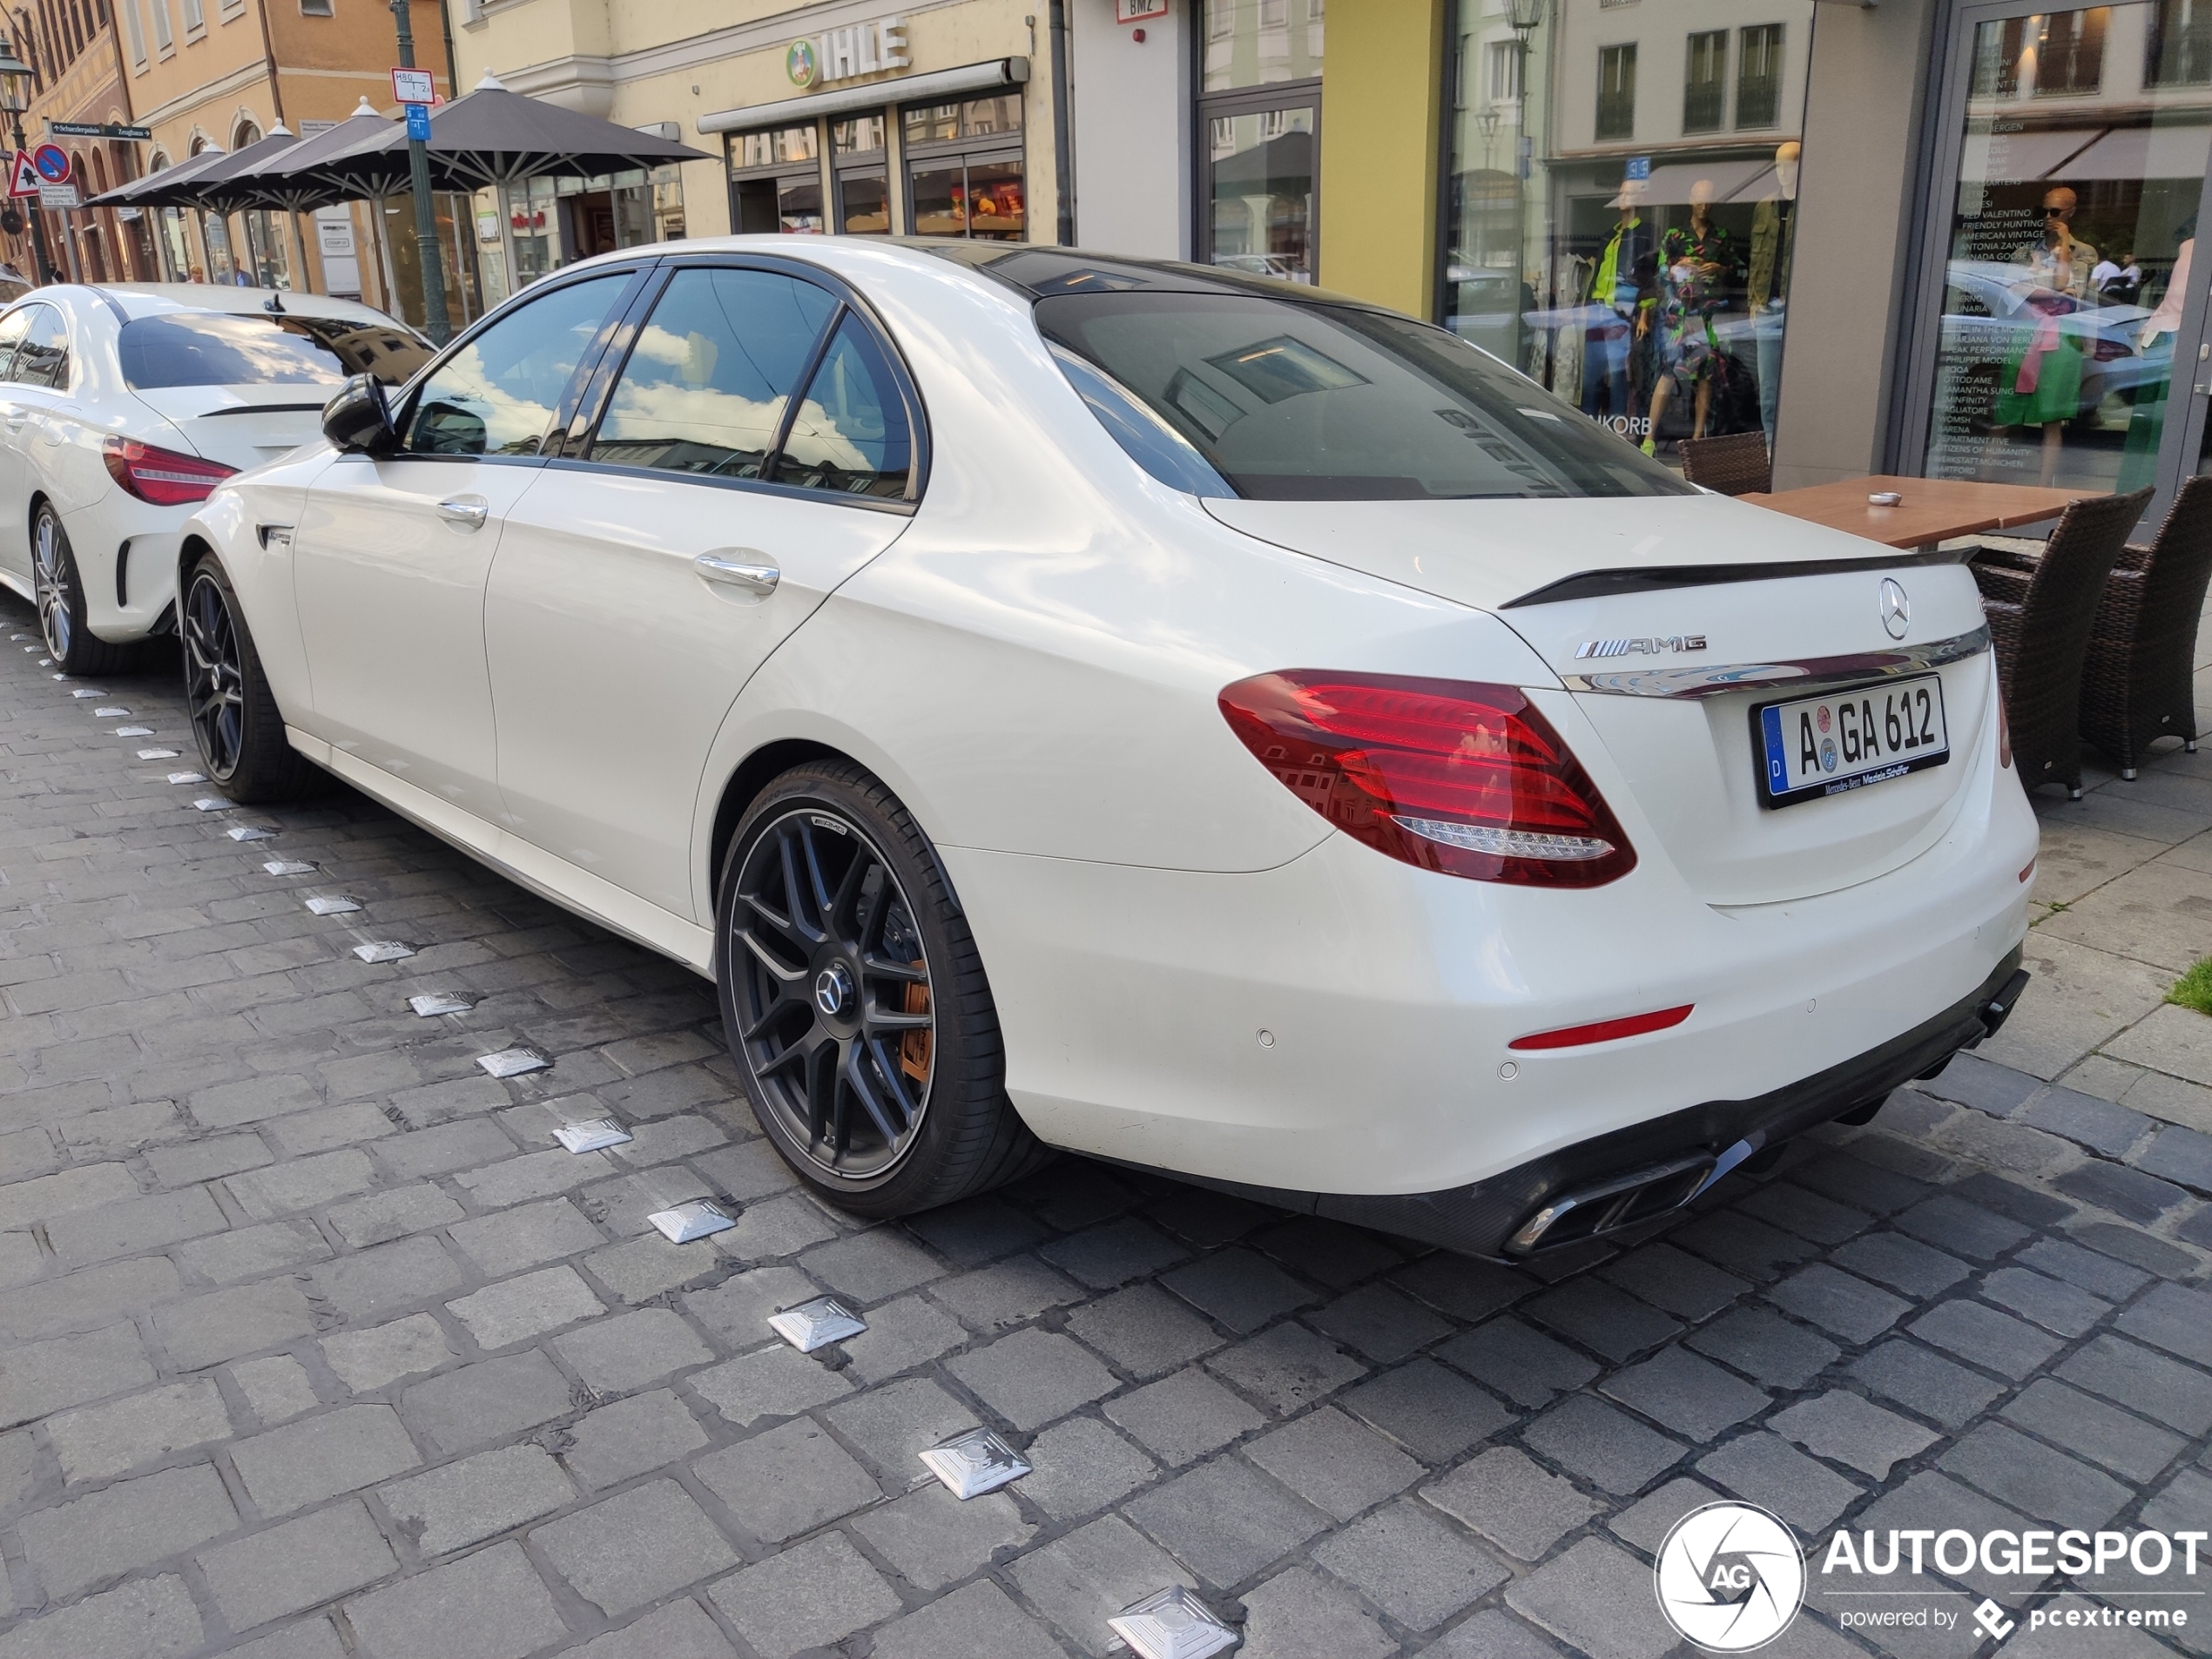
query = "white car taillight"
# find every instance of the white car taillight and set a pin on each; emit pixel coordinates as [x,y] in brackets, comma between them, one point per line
[1469,779]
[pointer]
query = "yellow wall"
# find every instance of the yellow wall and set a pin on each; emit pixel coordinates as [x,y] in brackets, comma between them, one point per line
[1381,95]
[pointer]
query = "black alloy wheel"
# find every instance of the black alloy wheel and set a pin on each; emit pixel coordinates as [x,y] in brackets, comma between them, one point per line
[855,1002]
[214,676]
[836,1016]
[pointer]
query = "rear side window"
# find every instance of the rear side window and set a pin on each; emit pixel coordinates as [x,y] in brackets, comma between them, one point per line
[497,395]
[709,384]
[850,434]
[1303,401]
[43,358]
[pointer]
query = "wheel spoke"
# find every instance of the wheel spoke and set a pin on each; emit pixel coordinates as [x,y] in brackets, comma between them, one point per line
[789,858]
[858,1084]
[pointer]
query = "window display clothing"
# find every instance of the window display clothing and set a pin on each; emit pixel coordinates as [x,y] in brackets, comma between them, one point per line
[1610,308]
[1698,263]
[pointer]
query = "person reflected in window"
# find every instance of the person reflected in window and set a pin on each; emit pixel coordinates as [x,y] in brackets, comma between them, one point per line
[1609,309]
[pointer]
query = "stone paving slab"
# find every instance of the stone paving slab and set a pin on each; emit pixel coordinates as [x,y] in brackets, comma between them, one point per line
[312,1343]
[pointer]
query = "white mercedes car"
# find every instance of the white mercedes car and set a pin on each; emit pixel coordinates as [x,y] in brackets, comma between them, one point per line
[122,405]
[1203,722]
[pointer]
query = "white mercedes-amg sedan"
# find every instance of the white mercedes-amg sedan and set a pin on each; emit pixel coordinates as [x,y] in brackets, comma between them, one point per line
[122,405]
[1210,724]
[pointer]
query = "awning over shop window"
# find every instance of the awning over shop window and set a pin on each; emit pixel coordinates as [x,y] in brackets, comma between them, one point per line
[874,95]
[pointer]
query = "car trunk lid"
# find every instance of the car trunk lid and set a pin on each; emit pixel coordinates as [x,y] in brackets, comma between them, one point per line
[241,426]
[1669,620]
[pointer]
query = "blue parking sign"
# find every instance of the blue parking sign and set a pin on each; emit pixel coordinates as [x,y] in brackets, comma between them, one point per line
[1639,167]
[418,121]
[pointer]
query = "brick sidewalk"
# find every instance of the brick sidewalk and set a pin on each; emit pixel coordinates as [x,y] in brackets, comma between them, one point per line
[314,1344]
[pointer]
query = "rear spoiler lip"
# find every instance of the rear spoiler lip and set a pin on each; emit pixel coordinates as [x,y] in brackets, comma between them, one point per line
[1661,578]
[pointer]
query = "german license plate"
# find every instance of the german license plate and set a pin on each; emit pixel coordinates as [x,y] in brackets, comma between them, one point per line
[1813,746]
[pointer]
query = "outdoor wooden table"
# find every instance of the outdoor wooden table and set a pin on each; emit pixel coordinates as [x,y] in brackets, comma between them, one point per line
[1934,509]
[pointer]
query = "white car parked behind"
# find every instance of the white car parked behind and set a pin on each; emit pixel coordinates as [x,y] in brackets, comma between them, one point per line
[121,405]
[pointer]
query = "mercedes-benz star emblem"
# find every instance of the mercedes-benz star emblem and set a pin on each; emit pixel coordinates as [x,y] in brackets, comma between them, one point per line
[833,987]
[1731,1577]
[1896,609]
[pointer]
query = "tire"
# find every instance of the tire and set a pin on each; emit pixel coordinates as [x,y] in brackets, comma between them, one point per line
[881,1109]
[234,715]
[60,589]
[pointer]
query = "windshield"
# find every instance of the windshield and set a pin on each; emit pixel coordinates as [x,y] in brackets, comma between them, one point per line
[220,348]
[1304,401]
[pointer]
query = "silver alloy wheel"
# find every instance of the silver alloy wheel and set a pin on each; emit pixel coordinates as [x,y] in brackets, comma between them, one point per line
[49,576]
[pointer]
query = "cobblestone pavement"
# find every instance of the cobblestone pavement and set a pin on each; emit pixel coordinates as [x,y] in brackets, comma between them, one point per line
[312,1343]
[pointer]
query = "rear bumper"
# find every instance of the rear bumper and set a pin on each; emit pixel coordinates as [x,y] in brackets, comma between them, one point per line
[1483,1217]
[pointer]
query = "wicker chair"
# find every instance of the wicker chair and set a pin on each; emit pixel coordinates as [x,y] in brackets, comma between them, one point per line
[2041,618]
[2136,685]
[1736,465]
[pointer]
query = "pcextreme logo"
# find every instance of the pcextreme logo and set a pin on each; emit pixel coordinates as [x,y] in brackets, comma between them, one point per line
[1730,1577]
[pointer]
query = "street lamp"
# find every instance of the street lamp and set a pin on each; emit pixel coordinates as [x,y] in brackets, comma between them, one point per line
[14,99]
[1524,17]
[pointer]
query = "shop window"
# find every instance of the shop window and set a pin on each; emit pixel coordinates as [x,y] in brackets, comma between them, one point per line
[1259,43]
[1617,91]
[776,183]
[857,154]
[1758,77]
[2179,49]
[960,180]
[1704,93]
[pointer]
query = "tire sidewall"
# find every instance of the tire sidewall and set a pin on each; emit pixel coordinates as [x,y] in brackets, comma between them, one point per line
[945,945]
[67,577]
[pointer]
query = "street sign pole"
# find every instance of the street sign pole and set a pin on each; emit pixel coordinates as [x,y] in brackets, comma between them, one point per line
[427,255]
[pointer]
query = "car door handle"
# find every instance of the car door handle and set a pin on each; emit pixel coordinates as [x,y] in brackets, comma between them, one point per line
[753,578]
[468,511]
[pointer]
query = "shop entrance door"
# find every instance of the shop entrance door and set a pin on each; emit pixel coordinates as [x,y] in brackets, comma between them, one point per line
[2062,337]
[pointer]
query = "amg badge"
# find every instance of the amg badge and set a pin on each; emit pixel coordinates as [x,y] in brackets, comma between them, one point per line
[1645,646]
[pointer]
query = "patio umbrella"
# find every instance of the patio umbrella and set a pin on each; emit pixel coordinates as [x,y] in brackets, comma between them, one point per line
[158,188]
[493,138]
[224,189]
[288,180]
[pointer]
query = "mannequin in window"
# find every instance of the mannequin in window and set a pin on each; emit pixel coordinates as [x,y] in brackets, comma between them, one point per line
[1610,306]
[2040,384]
[2146,420]
[1696,264]
[1767,289]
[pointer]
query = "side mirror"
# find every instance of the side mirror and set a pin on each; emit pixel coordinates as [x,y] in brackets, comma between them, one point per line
[358,421]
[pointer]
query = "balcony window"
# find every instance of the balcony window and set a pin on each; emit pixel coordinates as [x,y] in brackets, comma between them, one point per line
[1616,92]
[1759,76]
[1705,92]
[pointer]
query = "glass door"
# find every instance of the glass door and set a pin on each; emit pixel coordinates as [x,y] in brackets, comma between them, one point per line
[2074,151]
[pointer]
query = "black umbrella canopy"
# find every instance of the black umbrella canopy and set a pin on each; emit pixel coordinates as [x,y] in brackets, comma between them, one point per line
[288,178]
[141,192]
[226,187]
[492,136]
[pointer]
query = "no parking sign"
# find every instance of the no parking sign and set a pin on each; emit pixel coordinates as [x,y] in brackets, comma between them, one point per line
[52,163]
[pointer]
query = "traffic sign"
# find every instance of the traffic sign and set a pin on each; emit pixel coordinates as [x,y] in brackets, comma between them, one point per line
[52,162]
[23,178]
[96,130]
[413,86]
[58,196]
[418,122]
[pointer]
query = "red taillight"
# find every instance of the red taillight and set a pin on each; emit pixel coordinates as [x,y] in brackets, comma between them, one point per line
[1634,1025]
[1464,778]
[161,477]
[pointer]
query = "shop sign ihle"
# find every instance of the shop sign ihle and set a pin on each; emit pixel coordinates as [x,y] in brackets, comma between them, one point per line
[844,54]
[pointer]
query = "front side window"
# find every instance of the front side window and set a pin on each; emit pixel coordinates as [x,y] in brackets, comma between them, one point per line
[11,333]
[1312,403]
[43,358]
[498,394]
[709,381]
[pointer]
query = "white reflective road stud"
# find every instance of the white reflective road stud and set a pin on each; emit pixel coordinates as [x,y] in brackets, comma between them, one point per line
[157,754]
[212,804]
[334,906]
[513,1063]
[249,833]
[140,731]
[592,1136]
[975,1463]
[817,1324]
[82,691]
[685,1222]
[289,867]
[384,950]
[110,714]
[431,1004]
[187,777]
[1172,1624]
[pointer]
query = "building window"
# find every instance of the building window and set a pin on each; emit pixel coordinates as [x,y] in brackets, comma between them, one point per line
[195,17]
[317,9]
[2070,57]
[1705,91]
[1501,71]
[856,160]
[1617,91]
[964,171]
[163,39]
[134,30]
[1257,42]
[1758,77]
[776,181]
[2178,52]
